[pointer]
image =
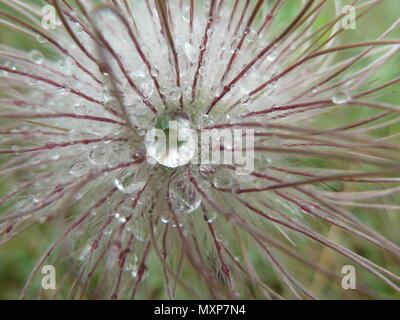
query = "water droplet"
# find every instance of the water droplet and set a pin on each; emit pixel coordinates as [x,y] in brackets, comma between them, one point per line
[36,56]
[129,181]
[154,72]
[98,154]
[184,197]
[251,35]
[173,145]
[120,218]
[40,38]
[272,56]
[63,91]
[211,216]
[224,180]
[341,97]
[78,168]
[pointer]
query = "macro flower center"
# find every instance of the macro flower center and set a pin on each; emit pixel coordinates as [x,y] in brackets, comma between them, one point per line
[172,141]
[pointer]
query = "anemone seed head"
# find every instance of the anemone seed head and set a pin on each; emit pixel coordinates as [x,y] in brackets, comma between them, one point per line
[78,109]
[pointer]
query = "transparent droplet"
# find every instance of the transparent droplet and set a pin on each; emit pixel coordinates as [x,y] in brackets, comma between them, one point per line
[341,97]
[129,181]
[211,216]
[184,197]
[63,91]
[40,38]
[99,154]
[173,145]
[224,180]
[154,72]
[251,35]
[36,56]
[272,56]
[78,168]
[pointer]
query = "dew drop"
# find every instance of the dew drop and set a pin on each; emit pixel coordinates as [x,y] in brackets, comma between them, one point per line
[251,35]
[182,147]
[224,180]
[40,38]
[129,181]
[98,154]
[184,197]
[341,97]
[36,56]
[63,91]
[154,72]
[78,168]
[211,216]
[272,56]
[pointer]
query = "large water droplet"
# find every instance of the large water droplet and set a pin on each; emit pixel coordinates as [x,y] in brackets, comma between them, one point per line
[171,143]
[78,168]
[129,181]
[184,197]
[251,35]
[224,180]
[341,97]
[99,154]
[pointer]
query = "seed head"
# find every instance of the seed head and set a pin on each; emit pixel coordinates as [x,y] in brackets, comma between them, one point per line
[102,131]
